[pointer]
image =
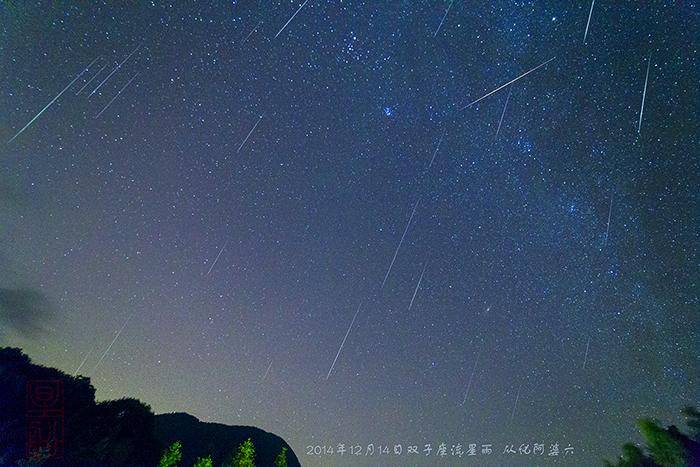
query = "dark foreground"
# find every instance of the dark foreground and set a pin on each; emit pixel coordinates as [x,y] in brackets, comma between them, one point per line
[53,418]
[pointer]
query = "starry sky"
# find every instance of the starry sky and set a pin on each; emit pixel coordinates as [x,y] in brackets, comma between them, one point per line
[219,191]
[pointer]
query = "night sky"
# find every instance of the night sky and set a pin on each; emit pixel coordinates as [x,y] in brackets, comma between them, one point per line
[224,202]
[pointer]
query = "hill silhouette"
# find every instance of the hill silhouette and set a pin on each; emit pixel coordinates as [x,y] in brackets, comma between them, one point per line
[115,432]
[202,438]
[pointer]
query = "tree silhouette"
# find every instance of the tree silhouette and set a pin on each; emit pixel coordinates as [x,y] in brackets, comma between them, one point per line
[632,456]
[692,416]
[664,446]
[172,456]
[203,462]
[117,432]
[281,459]
[245,455]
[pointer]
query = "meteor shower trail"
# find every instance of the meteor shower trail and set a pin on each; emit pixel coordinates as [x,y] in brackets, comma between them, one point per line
[420,279]
[500,122]
[443,18]
[290,19]
[515,405]
[509,82]
[114,71]
[436,150]
[91,79]
[607,229]
[84,360]
[471,378]
[117,95]
[590,13]
[585,356]
[260,184]
[217,258]
[408,224]
[110,345]
[267,371]
[343,342]
[644,95]
[249,133]
[50,103]
[251,32]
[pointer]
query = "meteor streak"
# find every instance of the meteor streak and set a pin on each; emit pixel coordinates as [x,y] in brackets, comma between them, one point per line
[590,13]
[115,70]
[249,133]
[50,103]
[91,79]
[500,122]
[607,230]
[110,345]
[436,150]
[471,378]
[84,360]
[251,32]
[644,95]
[400,242]
[290,19]
[267,371]
[509,82]
[517,396]
[343,343]
[443,18]
[217,258]
[117,95]
[415,292]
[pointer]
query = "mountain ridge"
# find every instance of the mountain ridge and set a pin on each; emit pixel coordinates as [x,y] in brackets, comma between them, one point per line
[40,403]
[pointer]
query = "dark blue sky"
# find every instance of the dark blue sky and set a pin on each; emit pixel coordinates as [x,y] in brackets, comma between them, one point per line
[557,236]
